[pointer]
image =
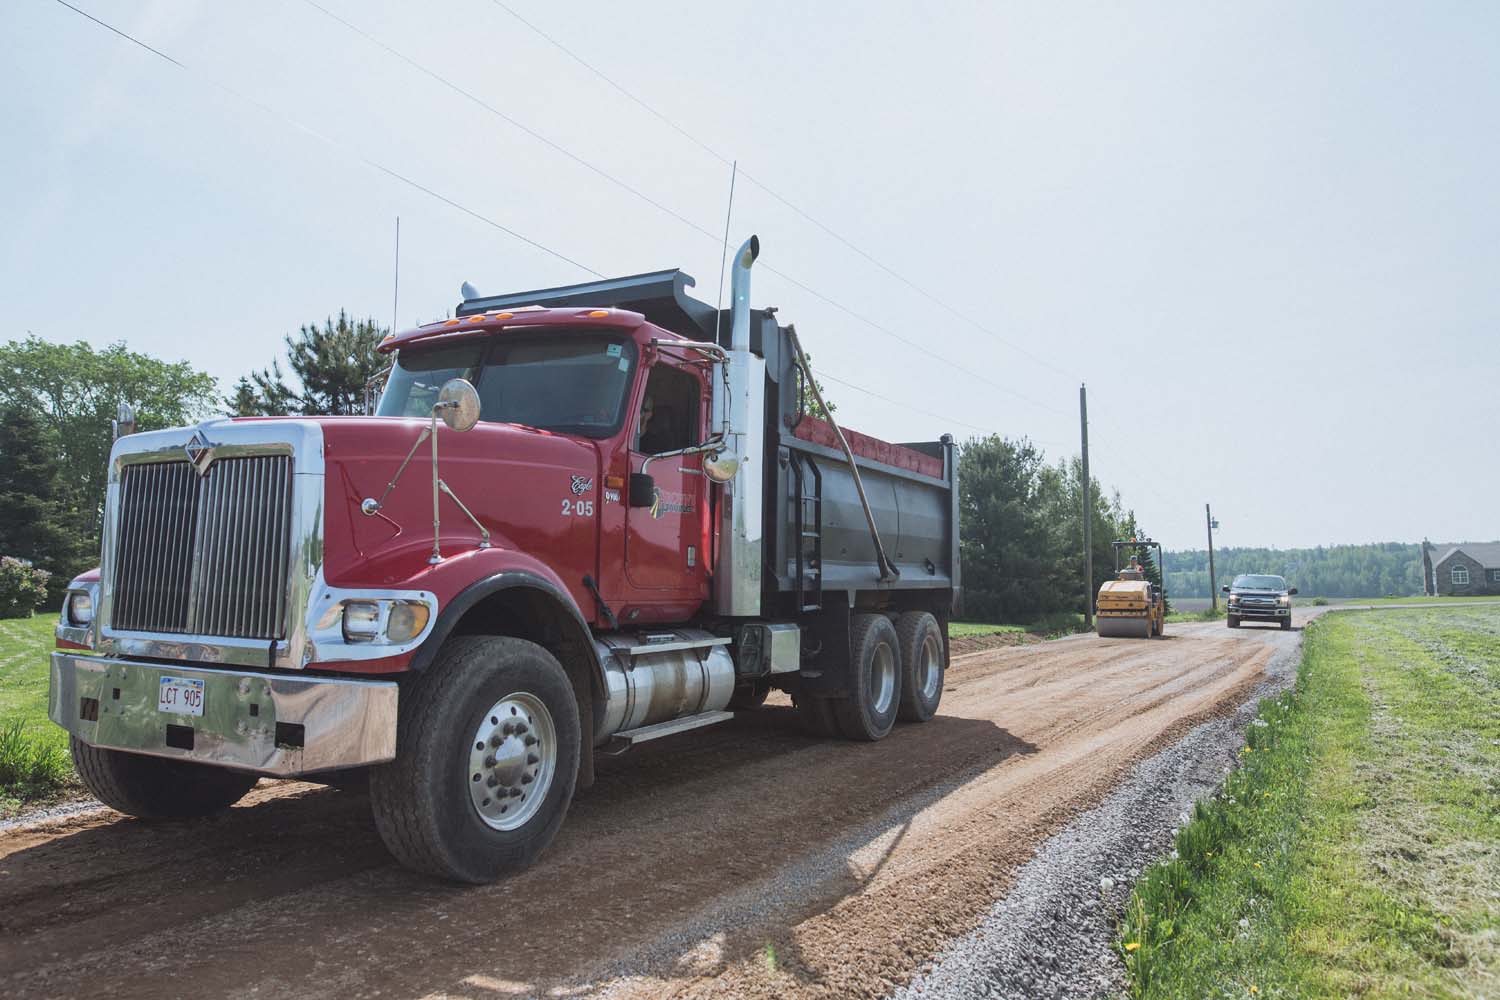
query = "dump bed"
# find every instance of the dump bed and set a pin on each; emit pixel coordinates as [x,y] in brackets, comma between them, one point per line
[818,539]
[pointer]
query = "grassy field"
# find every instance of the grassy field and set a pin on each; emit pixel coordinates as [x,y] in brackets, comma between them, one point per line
[1356,851]
[34,761]
[1381,601]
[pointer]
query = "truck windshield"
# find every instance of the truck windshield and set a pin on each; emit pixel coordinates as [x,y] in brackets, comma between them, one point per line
[1259,583]
[576,383]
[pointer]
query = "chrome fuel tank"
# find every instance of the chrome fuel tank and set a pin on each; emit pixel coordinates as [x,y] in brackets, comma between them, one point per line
[658,676]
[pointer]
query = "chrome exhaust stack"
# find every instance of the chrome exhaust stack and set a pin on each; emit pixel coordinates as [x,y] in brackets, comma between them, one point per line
[739,408]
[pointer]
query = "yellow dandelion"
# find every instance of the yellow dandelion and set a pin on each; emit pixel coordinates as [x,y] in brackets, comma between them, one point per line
[1132,946]
[1253,990]
[1257,864]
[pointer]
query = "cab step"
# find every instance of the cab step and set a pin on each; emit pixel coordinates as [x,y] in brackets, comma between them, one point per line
[623,741]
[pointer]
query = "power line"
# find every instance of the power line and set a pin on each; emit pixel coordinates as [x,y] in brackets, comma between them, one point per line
[924,348]
[670,123]
[928,413]
[334,143]
[702,230]
[514,123]
[452,203]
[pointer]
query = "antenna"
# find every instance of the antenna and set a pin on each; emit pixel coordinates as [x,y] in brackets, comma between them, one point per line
[396,290]
[734,170]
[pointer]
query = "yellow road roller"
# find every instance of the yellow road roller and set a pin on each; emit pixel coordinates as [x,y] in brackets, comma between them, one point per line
[1131,606]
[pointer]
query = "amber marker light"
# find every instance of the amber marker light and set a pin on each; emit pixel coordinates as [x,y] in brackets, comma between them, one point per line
[599,313]
[406,621]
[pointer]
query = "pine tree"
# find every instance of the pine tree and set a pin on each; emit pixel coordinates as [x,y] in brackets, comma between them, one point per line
[332,364]
[40,516]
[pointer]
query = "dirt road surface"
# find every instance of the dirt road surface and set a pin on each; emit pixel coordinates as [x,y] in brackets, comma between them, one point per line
[747,860]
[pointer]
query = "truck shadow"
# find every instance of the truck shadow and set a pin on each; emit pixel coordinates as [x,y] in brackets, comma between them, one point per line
[743,830]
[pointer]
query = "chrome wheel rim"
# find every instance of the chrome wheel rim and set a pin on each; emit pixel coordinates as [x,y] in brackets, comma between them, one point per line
[512,761]
[883,678]
[929,667]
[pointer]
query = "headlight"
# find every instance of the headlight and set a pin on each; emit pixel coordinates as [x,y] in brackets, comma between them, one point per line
[1284,601]
[1234,598]
[80,609]
[397,621]
[361,621]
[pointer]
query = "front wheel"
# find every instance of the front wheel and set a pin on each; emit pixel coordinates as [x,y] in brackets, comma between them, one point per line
[157,787]
[1234,621]
[487,752]
[1286,623]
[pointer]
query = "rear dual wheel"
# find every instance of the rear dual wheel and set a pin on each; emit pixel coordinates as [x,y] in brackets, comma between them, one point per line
[896,672]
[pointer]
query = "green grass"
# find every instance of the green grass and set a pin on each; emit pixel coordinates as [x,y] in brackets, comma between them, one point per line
[1206,615]
[34,760]
[1379,601]
[1058,623]
[1356,850]
[963,630]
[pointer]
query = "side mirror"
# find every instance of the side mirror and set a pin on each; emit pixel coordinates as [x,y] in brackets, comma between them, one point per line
[1225,588]
[124,422]
[1292,591]
[458,404]
[642,490]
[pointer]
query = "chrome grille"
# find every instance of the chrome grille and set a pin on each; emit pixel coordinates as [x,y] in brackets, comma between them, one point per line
[204,555]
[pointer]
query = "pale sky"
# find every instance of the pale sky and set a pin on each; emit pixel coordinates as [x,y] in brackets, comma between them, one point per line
[1266,235]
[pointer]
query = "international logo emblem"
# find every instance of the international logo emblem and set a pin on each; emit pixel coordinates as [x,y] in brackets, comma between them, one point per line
[199,452]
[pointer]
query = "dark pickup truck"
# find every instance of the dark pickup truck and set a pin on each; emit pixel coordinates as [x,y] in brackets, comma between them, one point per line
[1257,597]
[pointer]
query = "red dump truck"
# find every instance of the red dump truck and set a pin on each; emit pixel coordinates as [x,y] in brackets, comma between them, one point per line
[579,519]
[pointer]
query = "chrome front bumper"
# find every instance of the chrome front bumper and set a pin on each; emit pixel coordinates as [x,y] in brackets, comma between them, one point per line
[268,723]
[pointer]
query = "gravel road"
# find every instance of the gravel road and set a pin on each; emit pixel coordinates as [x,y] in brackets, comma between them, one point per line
[747,860]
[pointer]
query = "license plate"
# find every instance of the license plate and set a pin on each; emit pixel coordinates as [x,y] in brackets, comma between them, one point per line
[180,696]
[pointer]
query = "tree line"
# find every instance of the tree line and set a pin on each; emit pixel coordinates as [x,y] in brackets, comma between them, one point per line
[57,402]
[1021,532]
[1021,516]
[1380,569]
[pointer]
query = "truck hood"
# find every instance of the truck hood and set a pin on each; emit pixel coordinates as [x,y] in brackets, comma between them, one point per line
[510,477]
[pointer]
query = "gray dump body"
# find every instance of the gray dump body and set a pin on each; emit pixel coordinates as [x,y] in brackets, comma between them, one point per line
[915,513]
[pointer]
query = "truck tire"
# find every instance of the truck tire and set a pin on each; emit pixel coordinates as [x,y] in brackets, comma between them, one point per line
[920,640]
[1234,621]
[156,787]
[869,711]
[487,750]
[1286,623]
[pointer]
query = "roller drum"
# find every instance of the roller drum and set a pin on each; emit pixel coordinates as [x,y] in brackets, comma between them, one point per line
[1124,628]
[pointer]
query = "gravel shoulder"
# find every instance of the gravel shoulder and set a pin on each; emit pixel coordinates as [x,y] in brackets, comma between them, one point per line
[1051,936]
[747,860]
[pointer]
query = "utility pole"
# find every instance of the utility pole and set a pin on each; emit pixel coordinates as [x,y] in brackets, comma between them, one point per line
[1088,512]
[1213,580]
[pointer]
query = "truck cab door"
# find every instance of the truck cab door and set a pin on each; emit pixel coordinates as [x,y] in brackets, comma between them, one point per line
[665,542]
